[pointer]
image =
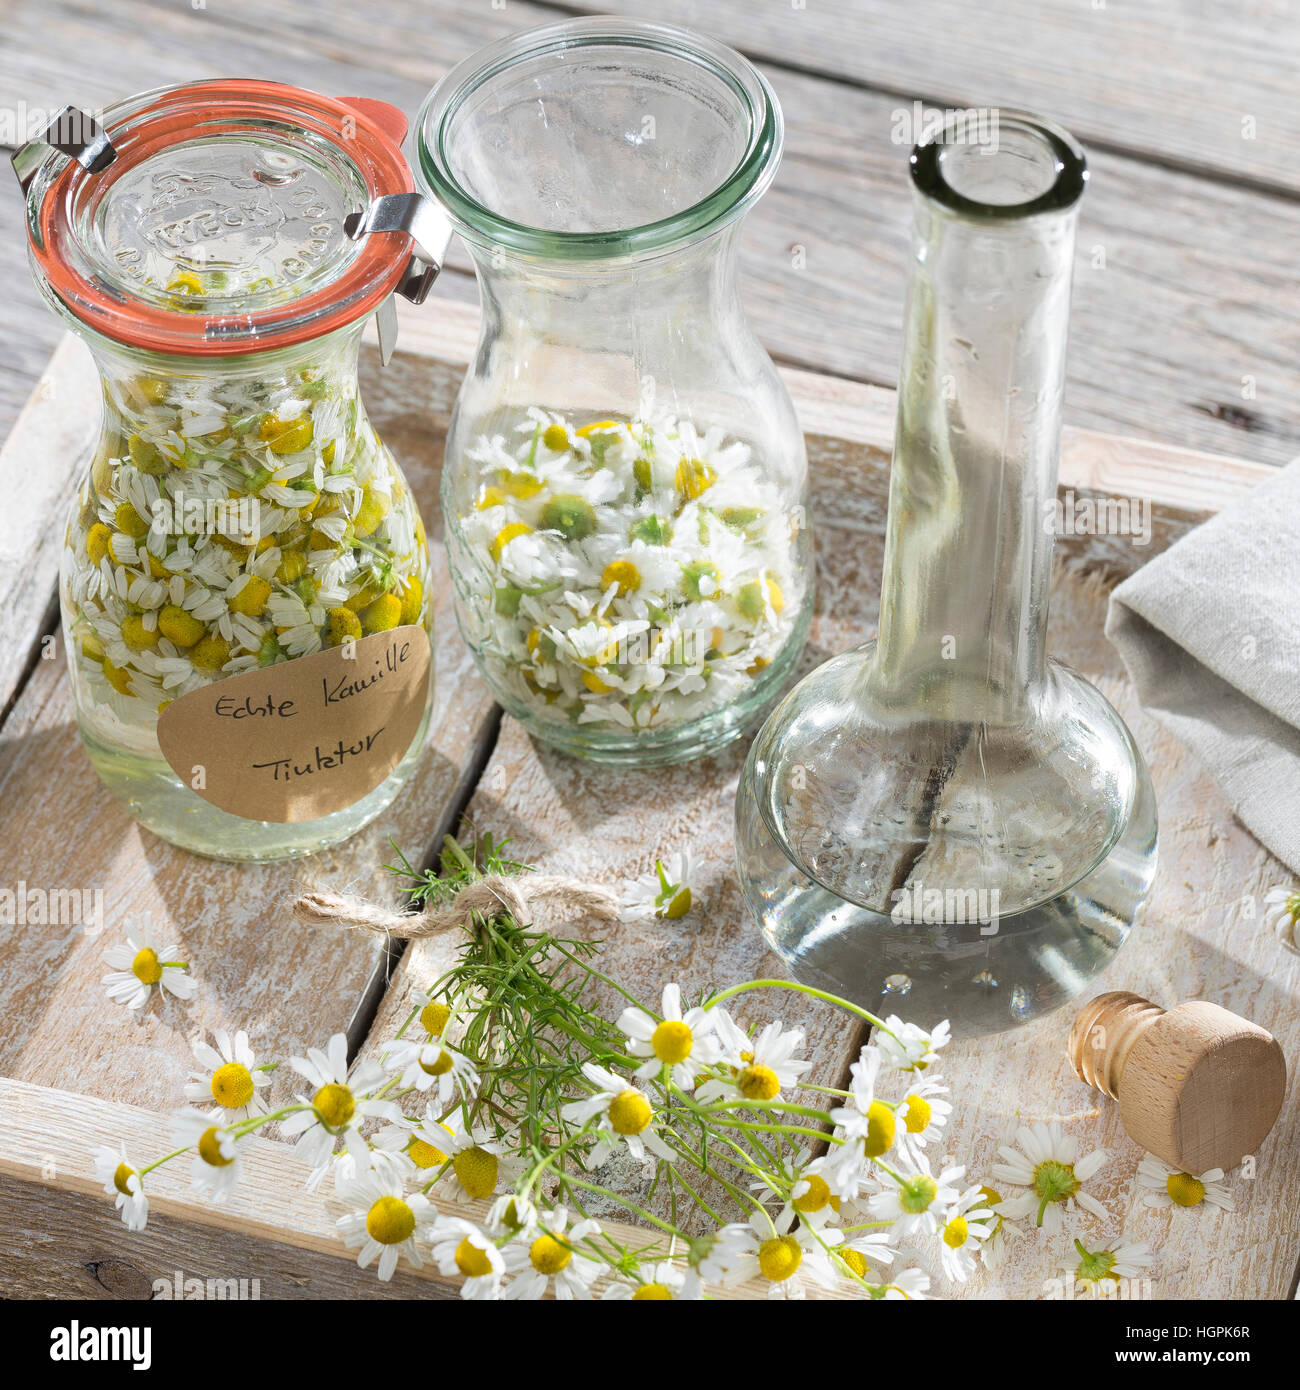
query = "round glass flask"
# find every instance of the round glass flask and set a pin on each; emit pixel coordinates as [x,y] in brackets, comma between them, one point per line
[245,579]
[625,486]
[946,814]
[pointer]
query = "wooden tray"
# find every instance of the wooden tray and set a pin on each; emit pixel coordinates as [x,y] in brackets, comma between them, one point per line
[81,1071]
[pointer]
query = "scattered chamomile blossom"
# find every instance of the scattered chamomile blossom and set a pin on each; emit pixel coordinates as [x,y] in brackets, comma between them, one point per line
[1282,914]
[1126,1260]
[1165,1186]
[230,1076]
[434,1016]
[914,1199]
[478,1159]
[549,1259]
[680,1043]
[812,1197]
[1045,1161]
[424,1064]
[385,1221]
[864,1249]
[337,1108]
[968,1223]
[923,1111]
[663,1281]
[905,1047]
[461,1247]
[993,1250]
[773,1249]
[512,1215]
[122,1182]
[215,1170]
[623,1113]
[139,967]
[865,1126]
[758,1069]
[910,1284]
[664,892]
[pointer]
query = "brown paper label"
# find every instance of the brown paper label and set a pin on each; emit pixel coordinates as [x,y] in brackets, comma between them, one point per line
[304,738]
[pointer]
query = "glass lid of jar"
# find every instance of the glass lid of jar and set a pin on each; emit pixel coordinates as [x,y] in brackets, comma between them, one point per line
[218,217]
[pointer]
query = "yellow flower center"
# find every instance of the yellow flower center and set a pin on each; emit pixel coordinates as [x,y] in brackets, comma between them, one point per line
[856,1261]
[623,573]
[505,535]
[121,1176]
[629,1112]
[758,1083]
[1185,1190]
[472,1262]
[672,1042]
[916,1194]
[548,1255]
[816,1197]
[434,1017]
[956,1233]
[647,1293]
[210,1148]
[335,1105]
[881,1128]
[477,1170]
[440,1065]
[679,906]
[918,1114]
[555,437]
[390,1221]
[232,1085]
[779,1258]
[424,1155]
[145,966]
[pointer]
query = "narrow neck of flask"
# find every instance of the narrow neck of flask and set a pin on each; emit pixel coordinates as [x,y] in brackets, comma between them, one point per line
[968,558]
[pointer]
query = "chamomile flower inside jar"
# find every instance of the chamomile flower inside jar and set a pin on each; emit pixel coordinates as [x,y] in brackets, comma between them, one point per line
[625,487]
[245,578]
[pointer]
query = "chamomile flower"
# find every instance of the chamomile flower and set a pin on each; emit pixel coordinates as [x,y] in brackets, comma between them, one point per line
[909,1284]
[866,1127]
[461,1247]
[772,1249]
[905,1047]
[1045,1161]
[434,1017]
[661,1282]
[682,1043]
[339,1105]
[122,1182]
[215,1169]
[968,1224]
[923,1113]
[916,1201]
[1165,1186]
[664,892]
[550,1259]
[1282,915]
[758,1068]
[864,1249]
[993,1249]
[478,1159]
[623,1112]
[512,1215]
[1124,1260]
[385,1221]
[229,1075]
[139,967]
[812,1197]
[423,1065]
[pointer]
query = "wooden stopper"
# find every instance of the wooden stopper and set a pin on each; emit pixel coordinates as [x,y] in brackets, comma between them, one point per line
[1197,1086]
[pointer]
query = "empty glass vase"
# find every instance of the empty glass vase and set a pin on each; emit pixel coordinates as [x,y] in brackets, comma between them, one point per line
[946,815]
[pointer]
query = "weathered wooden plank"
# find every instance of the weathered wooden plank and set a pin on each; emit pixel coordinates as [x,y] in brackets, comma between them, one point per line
[269,1229]
[60,830]
[1195,84]
[1179,336]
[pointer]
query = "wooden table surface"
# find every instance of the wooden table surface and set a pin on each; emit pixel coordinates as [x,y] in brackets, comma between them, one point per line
[1186,313]
[1183,292]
